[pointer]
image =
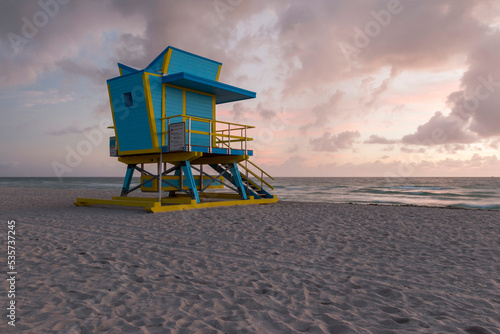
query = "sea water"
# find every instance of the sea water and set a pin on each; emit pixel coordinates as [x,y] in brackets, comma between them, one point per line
[481,193]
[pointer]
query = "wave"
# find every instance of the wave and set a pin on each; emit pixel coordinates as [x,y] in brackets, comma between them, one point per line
[420,188]
[475,206]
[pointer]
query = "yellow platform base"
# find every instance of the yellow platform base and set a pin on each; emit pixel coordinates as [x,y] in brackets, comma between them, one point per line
[175,203]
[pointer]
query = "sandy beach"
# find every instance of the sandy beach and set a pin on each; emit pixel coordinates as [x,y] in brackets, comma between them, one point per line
[281,268]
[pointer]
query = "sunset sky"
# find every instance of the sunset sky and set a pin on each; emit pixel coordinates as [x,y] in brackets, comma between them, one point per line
[344,88]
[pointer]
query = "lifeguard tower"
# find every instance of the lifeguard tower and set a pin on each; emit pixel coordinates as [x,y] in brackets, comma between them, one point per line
[166,129]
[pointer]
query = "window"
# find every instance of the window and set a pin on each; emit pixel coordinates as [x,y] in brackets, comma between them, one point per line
[127,98]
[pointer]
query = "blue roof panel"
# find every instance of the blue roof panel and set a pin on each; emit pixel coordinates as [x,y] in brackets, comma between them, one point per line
[223,93]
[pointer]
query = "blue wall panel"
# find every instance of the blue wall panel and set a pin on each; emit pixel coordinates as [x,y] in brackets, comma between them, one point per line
[199,139]
[173,101]
[132,123]
[199,105]
[186,62]
[156,91]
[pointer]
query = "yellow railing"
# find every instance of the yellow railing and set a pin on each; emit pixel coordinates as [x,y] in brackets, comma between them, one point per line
[221,135]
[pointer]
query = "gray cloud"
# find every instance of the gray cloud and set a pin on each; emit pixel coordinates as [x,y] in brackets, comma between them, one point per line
[71,129]
[475,111]
[441,129]
[372,94]
[324,112]
[332,143]
[409,150]
[296,36]
[375,139]
[8,165]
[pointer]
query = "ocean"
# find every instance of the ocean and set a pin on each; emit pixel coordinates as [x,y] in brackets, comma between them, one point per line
[478,193]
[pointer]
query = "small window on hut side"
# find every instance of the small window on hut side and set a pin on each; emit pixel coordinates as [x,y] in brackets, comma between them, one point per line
[127,97]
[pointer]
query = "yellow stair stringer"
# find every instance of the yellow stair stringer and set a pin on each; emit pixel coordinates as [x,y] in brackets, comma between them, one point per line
[260,178]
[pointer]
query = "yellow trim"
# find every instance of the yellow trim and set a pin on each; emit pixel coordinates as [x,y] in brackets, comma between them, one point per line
[184,102]
[260,169]
[163,114]
[155,206]
[135,152]
[214,125]
[255,175]
[155,158]
[154,185]
[166,61]
[164,200]
[218,73]
[151,115]
[114,122]
[213,107]
[120,69]
[91,201]
[201,119]
[224,159]
[155,74]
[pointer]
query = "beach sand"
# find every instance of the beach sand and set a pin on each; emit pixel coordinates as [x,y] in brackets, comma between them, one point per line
[281,268]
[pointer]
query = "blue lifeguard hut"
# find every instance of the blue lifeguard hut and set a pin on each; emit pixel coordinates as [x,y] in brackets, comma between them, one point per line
[165,115]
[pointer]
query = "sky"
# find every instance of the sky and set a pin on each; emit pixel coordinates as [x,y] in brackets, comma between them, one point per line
[346,88]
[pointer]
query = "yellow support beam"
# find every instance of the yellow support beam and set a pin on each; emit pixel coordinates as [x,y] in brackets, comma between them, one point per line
[164,200]
[96,201]
[224,159]
[153,205]
[249,201]
[155,158]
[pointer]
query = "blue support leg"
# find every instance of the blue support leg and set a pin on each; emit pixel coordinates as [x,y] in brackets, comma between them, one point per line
[188,174]
[128,179]
[235,178]
[237,181]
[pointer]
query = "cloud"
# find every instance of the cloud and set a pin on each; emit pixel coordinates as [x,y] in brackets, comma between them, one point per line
[36,98]
[334,143]
[409,150]
[371,95]
[475,109]
[403,43]
[66,35]
[441,129]
[324,112]
[375,139]
[294,149]
[476,165]
[71,129]
[8,165]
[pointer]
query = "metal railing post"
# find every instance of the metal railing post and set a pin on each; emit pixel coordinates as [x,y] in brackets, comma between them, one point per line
[160,183]
[168,128]
[246,141]
[201,177]
[189,135]
[210,144]
[181,177]
[228,138]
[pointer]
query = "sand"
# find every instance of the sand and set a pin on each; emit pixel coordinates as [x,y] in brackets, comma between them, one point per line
[281,268]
